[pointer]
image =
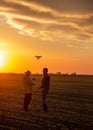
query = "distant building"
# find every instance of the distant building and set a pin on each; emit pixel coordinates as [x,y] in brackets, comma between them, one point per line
[73,73]
[58,73]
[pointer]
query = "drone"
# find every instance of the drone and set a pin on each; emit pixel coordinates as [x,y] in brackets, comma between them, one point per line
[38,57]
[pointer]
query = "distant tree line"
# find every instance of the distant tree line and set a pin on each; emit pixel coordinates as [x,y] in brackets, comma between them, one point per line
[64,74]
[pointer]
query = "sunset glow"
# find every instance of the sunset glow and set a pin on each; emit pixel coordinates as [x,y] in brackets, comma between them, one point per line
[61,32]
[2,59]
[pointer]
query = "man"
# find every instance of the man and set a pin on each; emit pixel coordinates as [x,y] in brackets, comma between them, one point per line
[45,85]
[28,83]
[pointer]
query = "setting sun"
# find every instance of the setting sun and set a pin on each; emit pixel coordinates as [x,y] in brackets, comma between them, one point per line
[2,58]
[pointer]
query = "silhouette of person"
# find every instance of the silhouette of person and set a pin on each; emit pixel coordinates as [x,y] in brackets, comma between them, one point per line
[45,85]
[27,83]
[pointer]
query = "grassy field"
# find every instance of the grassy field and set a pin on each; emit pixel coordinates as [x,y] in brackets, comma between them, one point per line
[70,103]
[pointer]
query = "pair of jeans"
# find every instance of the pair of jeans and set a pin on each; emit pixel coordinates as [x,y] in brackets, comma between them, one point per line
[44,97]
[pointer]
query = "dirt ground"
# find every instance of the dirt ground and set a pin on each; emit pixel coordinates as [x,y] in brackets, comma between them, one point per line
[70,104]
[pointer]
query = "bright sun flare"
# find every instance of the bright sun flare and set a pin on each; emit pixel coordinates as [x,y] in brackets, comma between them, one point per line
[2,59]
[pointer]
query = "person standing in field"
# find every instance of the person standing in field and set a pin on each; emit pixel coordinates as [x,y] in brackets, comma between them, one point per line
[45,86]
[27,83]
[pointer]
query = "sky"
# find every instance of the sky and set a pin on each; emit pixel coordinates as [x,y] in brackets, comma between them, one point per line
[61,31]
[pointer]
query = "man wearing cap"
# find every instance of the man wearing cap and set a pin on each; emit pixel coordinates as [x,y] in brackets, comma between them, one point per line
[27,83]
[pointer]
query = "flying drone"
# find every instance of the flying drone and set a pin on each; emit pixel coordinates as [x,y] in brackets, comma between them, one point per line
[38,57]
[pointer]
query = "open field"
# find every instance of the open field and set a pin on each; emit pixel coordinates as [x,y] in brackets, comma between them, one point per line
[70,104]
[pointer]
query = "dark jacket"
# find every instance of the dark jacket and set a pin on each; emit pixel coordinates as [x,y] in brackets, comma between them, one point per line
[46,82]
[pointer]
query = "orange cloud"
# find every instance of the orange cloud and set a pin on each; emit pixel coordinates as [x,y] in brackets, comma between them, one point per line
[50,20]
